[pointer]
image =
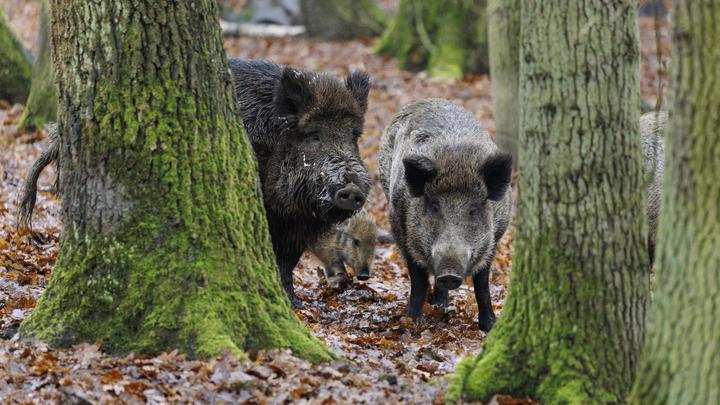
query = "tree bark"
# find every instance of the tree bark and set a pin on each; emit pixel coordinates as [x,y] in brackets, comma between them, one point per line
[14,65]
[447,38]
[574,318]
[504,53]
[343,19]
[681,356]
[42,102]
[165,243]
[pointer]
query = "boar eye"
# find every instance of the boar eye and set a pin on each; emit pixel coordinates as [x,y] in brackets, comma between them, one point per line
[433,206]
[475,210]
[356,242]
[357,132]
[313,136]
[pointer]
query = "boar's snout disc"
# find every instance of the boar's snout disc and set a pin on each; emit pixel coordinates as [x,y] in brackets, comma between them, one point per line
[449,281]
[349,198]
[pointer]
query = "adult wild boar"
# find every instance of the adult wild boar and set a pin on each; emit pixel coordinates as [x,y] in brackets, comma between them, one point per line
[447,187]
[303,127]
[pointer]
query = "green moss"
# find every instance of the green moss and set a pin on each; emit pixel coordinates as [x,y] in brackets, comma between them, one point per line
[343,19]
[136,294]
[552,358]
[42,102]
[446,38]
[15,69]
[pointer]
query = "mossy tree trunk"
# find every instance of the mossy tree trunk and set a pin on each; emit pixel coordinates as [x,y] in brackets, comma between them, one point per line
[343,19]
[503,24]
[574,319]
[447,38]
[165,243]
[14,65]
[41,105]
[681,358]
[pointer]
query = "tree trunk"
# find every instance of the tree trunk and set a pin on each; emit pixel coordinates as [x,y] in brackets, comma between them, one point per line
[42,102]
[681,357]
[448,38]
[165,243]
[343,19]
[573,322]
[14,65]
[504,51]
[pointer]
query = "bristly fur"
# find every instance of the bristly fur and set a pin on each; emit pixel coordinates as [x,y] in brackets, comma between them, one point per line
[337,247]
[303,127]
[447,186]
[652,129]
[29,194]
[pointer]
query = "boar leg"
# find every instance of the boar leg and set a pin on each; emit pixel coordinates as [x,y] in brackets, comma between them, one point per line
[286,264]
[439,297]
[418,290]
[486,316]
[337,269]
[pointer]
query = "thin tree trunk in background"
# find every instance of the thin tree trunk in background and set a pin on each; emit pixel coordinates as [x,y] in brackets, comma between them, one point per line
[42,102]
[165,243]
[681,357]
[14,65]
[504,53]
[447,38]
[574,319]
[343,19]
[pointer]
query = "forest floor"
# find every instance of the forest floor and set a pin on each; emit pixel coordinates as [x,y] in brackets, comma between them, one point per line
[385,358]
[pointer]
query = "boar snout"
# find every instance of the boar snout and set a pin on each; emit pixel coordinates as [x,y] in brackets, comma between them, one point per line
[349,198]
[363,275]
[450,263]
[449,281]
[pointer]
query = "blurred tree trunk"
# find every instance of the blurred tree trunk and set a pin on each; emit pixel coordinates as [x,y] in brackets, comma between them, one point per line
[447,38]
[14,66]
[343,19]
[681,357]
[574,319]
[165,242]
[504,51]
[42,102]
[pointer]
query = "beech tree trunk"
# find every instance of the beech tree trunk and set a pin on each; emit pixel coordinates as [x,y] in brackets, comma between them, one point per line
[165,243]
[343,19]
[41,106]
[447,38]
[14,65]
[681,357]
[574,318]
[504,52]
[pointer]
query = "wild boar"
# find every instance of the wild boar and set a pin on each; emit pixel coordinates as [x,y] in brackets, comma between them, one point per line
[351,243]
[447,186]
[303,127]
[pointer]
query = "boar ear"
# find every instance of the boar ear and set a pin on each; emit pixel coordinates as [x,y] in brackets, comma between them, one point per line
[418,171]
[292,94]
[496,173]
[359,85]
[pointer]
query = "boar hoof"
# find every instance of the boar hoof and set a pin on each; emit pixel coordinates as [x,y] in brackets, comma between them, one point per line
[486,322]
[363,277]
[415,313]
